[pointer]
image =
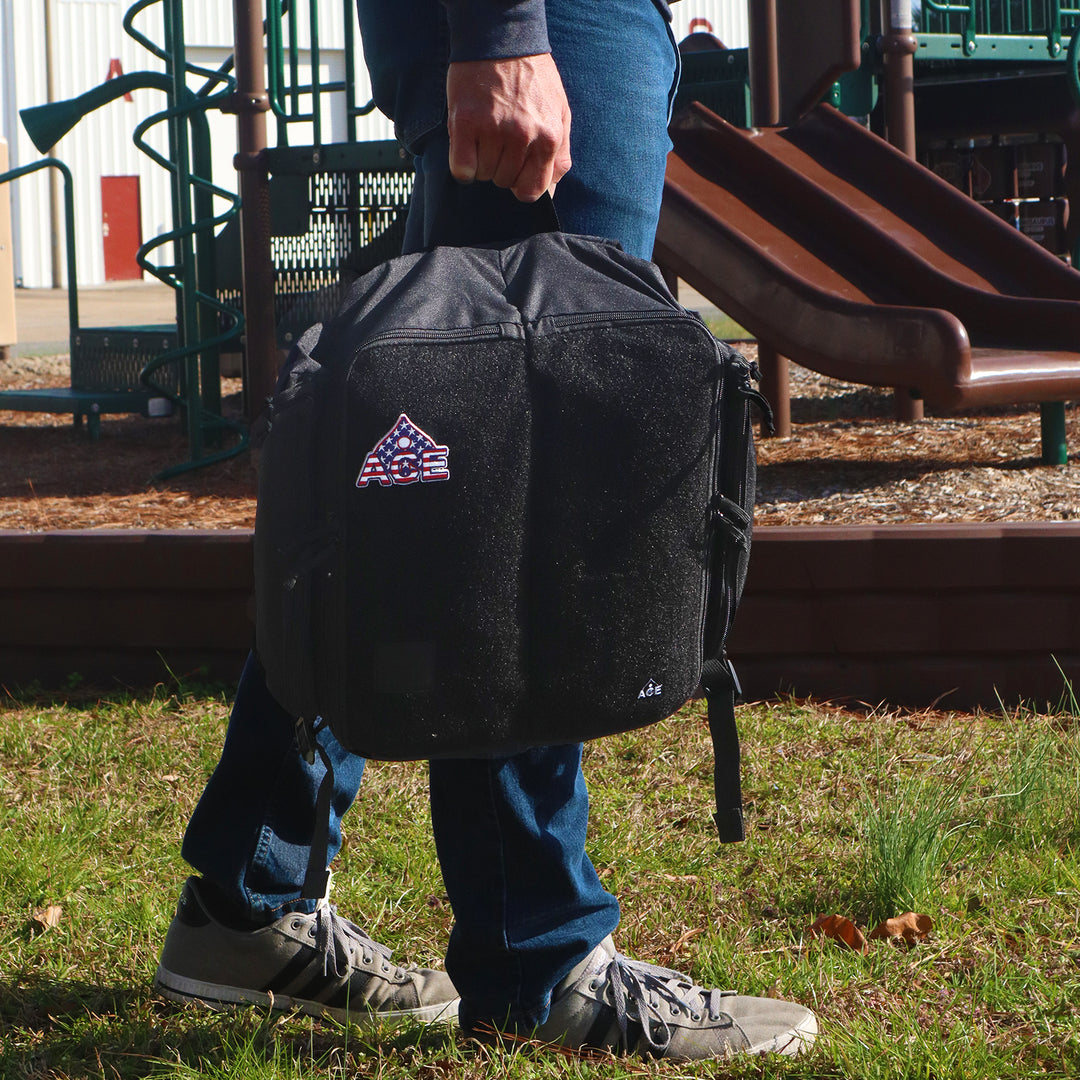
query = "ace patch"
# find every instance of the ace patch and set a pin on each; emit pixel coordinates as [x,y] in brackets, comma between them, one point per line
[405,455]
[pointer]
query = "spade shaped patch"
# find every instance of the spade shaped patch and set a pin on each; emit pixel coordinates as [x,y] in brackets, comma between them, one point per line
[405,455]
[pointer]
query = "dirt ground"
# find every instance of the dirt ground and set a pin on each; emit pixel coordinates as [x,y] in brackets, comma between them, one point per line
[847,463]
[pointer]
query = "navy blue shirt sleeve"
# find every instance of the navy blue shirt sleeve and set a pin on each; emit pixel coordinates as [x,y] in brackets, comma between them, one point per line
[496,29]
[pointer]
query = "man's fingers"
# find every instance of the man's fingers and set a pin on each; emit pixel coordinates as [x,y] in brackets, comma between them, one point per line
[509,122]
[547,163]
[463,158]
[532,179]
[497,158]
[543,172]
[561,165]
[527,164]
[527,168]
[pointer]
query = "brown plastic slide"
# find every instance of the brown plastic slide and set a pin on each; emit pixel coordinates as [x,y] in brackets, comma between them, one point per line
[836,250]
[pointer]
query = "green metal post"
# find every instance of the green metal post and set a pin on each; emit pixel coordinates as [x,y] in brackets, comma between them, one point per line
[69,228]
[175,70]
[294,58]
[1053,42]
[275,75]
[1052,425]
[316,77]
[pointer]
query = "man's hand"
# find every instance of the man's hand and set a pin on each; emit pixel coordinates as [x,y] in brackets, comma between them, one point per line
[509,122]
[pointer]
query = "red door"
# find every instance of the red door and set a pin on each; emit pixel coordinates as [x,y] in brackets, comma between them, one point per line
[121,227]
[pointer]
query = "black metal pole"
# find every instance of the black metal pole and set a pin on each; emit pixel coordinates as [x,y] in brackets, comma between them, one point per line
[251,103]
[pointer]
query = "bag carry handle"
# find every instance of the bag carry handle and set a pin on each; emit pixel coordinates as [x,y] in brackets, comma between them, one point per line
[467,215]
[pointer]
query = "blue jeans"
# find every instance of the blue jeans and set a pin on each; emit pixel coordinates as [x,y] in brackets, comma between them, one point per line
[510,831]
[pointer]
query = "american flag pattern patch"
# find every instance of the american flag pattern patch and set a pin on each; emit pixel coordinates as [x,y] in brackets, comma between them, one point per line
[405,455]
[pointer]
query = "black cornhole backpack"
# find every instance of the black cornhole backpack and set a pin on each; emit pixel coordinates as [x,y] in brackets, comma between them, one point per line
[505,500]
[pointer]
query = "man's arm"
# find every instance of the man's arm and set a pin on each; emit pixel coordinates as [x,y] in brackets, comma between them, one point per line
[507,112]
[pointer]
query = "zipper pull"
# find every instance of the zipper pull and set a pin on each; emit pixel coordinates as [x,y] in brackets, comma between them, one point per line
[305,739]
[762,403]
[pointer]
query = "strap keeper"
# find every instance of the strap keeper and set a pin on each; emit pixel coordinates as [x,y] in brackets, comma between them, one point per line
[317,875]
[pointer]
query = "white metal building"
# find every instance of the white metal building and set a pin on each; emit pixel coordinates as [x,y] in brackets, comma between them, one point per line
[727,19]
[57,49]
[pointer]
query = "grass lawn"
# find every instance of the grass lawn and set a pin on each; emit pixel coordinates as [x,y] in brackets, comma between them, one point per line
[973,821]
[726,328]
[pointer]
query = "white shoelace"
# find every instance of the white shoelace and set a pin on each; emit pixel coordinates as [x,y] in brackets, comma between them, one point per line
[338,939]
[647,988]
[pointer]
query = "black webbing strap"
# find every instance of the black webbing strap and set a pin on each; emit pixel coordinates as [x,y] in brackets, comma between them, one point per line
[722,690]
[317,877]
[464,215]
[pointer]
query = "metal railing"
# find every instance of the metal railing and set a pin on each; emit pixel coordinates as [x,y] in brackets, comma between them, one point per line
[1011,30]
[181,365]
[294,100]
[205,324]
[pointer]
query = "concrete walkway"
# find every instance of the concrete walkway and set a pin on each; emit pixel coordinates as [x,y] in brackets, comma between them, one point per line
[41,315]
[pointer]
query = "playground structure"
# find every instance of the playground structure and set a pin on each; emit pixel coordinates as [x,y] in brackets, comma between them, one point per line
[991,316]
[151,369]
[313,216]
[846,256]
[317,215]
[832,247]
[839,251]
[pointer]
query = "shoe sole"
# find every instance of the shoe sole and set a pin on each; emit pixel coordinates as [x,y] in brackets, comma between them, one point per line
[219,997]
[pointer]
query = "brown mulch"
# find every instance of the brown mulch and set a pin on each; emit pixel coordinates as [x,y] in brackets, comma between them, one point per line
[847,463]
[56,478]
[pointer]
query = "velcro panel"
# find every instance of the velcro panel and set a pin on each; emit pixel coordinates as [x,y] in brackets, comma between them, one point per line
[623,471]
[438,437]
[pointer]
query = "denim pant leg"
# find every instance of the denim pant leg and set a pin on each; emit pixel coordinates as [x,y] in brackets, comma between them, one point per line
[252,828]
[528,905]
[511,832]
[620,68]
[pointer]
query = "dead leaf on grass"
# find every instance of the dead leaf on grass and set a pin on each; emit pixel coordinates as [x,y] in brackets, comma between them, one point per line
[47,917]
[841,929]
[908,928]
[685,937]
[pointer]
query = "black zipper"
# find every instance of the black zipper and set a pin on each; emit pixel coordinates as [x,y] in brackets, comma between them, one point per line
[460,333]
[591,317]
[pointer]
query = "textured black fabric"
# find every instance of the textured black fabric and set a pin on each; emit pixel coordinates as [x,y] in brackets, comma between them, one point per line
[624,414]
[561,545]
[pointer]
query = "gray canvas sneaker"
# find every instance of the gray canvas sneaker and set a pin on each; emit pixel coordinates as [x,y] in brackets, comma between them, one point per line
[318,963]
[611,1003]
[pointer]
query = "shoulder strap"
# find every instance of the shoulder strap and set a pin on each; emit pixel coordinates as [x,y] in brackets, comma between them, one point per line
[722,690]
[317,877]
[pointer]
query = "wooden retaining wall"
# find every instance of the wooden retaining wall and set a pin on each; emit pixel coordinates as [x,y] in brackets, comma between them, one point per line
[902,614]
[124,607]
[911,614]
